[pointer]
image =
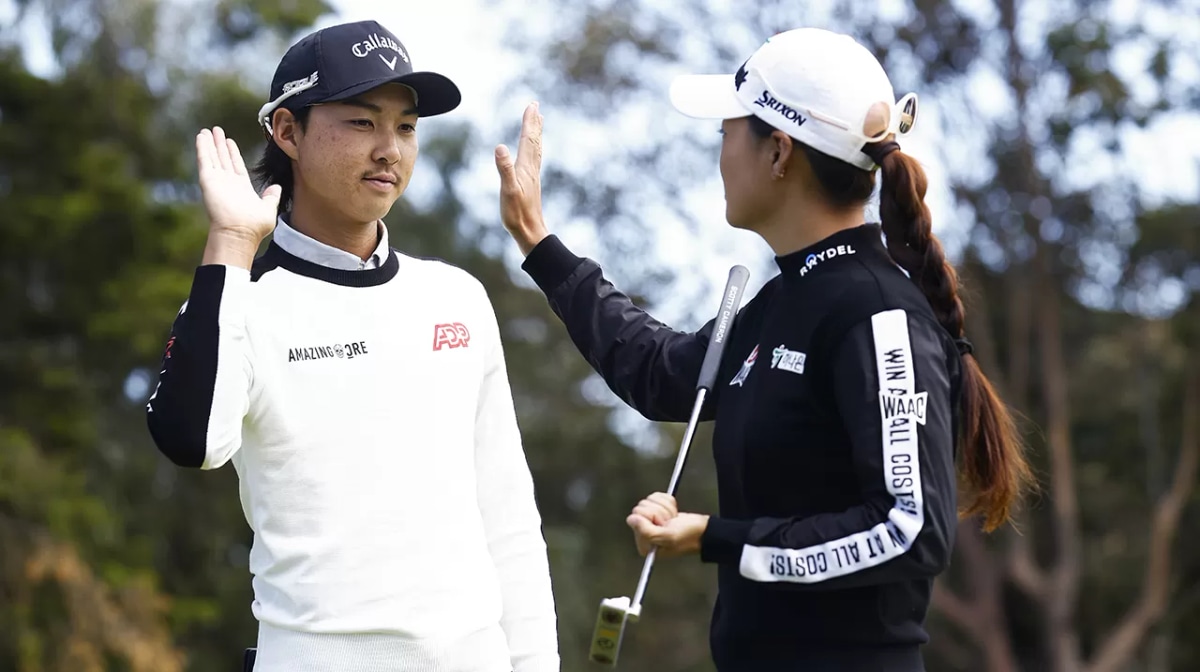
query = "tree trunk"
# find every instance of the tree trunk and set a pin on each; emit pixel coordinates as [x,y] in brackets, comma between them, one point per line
[1121,645]
[989,598]
[980,613]
[1020,326]
[1159,657]
[1065,572]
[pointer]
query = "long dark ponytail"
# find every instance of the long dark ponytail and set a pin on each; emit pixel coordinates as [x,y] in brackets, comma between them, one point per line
[993,463]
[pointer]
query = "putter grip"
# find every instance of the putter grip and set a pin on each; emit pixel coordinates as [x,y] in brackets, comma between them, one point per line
[730,300]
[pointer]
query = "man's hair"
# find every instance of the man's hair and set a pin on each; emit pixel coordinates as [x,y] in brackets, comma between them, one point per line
[275,167]
[994,466]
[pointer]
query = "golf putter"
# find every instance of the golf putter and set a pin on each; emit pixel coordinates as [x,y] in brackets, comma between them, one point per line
[615,612]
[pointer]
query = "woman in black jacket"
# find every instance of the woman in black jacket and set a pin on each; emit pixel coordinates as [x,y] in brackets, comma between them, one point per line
[847,389]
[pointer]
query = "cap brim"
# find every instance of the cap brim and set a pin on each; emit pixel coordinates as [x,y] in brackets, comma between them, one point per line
[707,97]
[436,94]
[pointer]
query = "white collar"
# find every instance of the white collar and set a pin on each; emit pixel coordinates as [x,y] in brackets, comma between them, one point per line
[299,245]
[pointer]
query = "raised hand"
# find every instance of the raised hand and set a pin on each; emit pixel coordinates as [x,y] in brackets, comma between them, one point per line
[239,218]
[233,205]
[521,183]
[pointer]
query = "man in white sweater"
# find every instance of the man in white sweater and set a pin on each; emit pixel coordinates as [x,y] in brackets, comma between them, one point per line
[360,393]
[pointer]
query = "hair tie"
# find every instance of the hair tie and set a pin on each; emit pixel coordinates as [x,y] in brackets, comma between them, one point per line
[877,151]
[964,346]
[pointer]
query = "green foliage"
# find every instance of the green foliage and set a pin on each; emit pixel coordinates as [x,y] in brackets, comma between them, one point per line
[100,237]
[1025,101]
[106,561]
[244,19]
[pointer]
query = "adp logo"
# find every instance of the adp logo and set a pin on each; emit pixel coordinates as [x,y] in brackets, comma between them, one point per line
[450,335]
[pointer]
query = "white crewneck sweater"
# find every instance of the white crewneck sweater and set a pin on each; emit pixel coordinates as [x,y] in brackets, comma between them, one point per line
[369,417]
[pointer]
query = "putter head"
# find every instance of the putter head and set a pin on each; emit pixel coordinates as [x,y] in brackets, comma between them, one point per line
[610,629]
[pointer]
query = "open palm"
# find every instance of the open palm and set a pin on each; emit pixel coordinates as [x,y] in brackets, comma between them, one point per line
[520,183]
[233,205]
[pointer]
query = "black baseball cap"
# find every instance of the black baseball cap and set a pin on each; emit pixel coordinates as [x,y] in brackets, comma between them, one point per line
[342,61]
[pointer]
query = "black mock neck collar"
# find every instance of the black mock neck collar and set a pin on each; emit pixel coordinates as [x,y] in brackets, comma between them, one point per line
[834,250]
[275,256]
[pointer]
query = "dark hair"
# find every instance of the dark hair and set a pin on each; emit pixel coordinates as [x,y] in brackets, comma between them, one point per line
[994,466]
[275,167]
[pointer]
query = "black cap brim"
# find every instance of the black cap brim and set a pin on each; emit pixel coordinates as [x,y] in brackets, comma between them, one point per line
[436,94]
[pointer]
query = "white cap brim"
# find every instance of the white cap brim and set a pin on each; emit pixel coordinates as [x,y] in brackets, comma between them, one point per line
[707,97]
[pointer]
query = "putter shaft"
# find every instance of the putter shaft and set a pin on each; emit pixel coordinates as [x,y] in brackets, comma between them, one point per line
[616,612]
[679,461]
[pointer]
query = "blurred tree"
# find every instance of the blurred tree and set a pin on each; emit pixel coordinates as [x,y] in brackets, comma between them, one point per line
[1039,112]
[110,557]
[105,565]
[97,247]
[81,234]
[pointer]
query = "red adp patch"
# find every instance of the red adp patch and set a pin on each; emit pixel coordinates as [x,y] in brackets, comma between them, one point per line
[450,335]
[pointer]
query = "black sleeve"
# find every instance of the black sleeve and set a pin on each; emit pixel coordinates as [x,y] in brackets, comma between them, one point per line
[893,391]
[648,365]
[195,413]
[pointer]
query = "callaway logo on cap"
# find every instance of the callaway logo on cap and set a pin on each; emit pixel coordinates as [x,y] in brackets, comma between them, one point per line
[345,60]
[815,85]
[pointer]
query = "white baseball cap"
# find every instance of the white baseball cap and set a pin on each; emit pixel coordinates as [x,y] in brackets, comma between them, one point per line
[815,85]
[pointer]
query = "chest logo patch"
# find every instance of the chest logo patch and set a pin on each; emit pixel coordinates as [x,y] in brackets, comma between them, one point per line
[451,335]
[787,360]
[335,351]
[745,370]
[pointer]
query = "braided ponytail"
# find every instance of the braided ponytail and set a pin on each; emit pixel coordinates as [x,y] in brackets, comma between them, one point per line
[994,468]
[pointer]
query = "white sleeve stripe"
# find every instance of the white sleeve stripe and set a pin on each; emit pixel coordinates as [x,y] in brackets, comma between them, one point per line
[230,395]
[901,408]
